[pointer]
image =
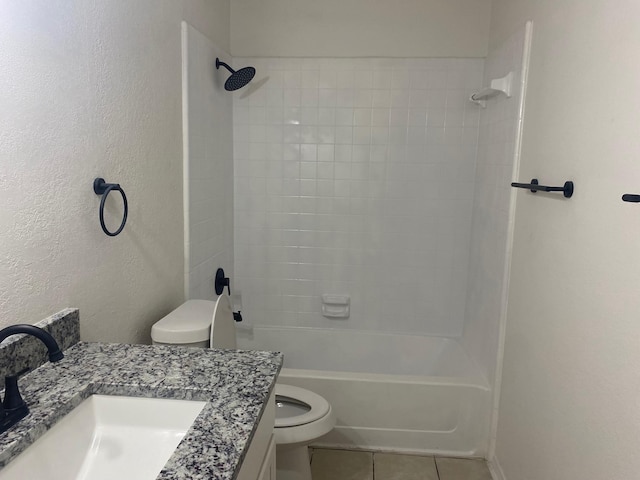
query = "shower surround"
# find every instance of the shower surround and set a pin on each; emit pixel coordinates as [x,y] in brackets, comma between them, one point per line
[355,176]
[207,164]
[375,178]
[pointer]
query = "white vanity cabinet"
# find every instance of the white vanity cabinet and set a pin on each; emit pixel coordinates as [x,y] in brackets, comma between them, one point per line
[268,471]
[260,461]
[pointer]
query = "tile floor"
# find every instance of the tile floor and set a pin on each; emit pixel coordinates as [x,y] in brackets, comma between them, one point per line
[327,464]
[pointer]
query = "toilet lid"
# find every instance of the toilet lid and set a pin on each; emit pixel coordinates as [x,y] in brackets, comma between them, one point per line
[189,323]
[223,326]
[301,406]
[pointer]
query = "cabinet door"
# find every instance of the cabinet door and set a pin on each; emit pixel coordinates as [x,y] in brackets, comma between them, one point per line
[268,470]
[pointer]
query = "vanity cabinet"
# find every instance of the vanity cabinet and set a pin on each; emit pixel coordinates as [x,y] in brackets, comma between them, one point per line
[260,461]
[268,471]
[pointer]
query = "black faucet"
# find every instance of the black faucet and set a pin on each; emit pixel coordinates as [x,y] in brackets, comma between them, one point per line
[14,408]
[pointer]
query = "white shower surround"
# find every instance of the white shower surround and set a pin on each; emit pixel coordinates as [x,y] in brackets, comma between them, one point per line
[207,165]
[355,176]
[494,203]
[359,176]
[389,392]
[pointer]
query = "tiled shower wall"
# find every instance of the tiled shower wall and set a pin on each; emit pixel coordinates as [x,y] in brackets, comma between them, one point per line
[355,176]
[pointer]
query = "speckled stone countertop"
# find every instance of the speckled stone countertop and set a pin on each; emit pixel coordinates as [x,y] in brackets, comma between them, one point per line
[236,385]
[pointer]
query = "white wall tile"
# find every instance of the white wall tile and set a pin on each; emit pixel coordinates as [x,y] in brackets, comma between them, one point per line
[364,206]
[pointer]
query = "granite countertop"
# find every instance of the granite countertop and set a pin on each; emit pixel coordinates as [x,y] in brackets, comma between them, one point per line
[236,384]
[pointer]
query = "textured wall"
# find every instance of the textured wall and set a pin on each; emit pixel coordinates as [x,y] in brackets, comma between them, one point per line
[93,89]
[569,404]
[356,176]
[360,28]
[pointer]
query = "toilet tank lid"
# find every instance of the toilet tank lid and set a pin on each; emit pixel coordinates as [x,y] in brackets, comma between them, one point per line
[189,323]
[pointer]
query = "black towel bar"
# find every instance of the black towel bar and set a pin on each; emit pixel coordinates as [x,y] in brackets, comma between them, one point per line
[631,197]
[566,189]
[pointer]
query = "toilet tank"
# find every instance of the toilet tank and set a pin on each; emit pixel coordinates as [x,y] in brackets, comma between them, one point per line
[188,325]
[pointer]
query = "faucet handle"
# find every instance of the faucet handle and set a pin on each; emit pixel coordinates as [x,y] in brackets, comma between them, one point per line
[221,281]
[12,397]
[13,408]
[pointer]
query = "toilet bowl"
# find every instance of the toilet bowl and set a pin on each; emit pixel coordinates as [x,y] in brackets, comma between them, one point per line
[302,416]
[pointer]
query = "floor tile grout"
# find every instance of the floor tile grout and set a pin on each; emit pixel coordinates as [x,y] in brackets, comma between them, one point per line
[436,464]
[370,469]
[373,465]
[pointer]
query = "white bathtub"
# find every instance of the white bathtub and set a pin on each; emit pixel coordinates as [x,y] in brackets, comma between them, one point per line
[389,392]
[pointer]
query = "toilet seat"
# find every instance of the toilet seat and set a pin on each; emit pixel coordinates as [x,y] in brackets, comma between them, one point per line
[223,326]
[298,431]
[318,406]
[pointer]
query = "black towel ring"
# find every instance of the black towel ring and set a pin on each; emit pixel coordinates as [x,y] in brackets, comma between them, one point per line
[100,187]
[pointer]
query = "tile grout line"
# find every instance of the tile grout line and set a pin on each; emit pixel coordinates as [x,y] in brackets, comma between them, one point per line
[463,466]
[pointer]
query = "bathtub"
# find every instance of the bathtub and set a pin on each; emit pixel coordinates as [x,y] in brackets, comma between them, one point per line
[390,392]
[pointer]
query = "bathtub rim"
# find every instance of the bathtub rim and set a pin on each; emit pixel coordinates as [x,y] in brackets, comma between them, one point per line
[473,375]
[471,382]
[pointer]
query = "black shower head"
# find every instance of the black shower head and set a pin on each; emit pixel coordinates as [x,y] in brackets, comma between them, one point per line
[238,78]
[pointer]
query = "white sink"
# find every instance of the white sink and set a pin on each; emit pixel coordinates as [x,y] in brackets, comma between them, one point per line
[107,437]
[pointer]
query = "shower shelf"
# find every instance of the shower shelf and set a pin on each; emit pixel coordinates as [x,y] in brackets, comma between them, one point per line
[498,86]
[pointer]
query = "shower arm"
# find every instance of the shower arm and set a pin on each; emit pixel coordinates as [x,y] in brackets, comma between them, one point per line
[218,63]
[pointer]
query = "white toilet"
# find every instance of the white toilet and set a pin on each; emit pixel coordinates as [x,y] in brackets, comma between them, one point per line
[301,415]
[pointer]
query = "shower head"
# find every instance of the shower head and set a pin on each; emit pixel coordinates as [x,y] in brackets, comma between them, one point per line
[238,78]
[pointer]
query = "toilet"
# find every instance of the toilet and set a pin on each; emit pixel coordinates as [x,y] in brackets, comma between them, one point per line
[302,416]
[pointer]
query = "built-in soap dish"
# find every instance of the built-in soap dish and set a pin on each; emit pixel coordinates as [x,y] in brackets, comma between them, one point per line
[336,306]
[498,85]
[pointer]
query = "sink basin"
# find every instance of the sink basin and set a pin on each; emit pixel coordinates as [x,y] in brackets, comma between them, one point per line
[107,437]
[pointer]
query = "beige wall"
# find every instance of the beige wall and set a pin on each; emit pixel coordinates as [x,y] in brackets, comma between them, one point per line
[360,28]
[93,89]
[569,404]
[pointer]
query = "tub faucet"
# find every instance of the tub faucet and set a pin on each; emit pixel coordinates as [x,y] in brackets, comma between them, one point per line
[14,408]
